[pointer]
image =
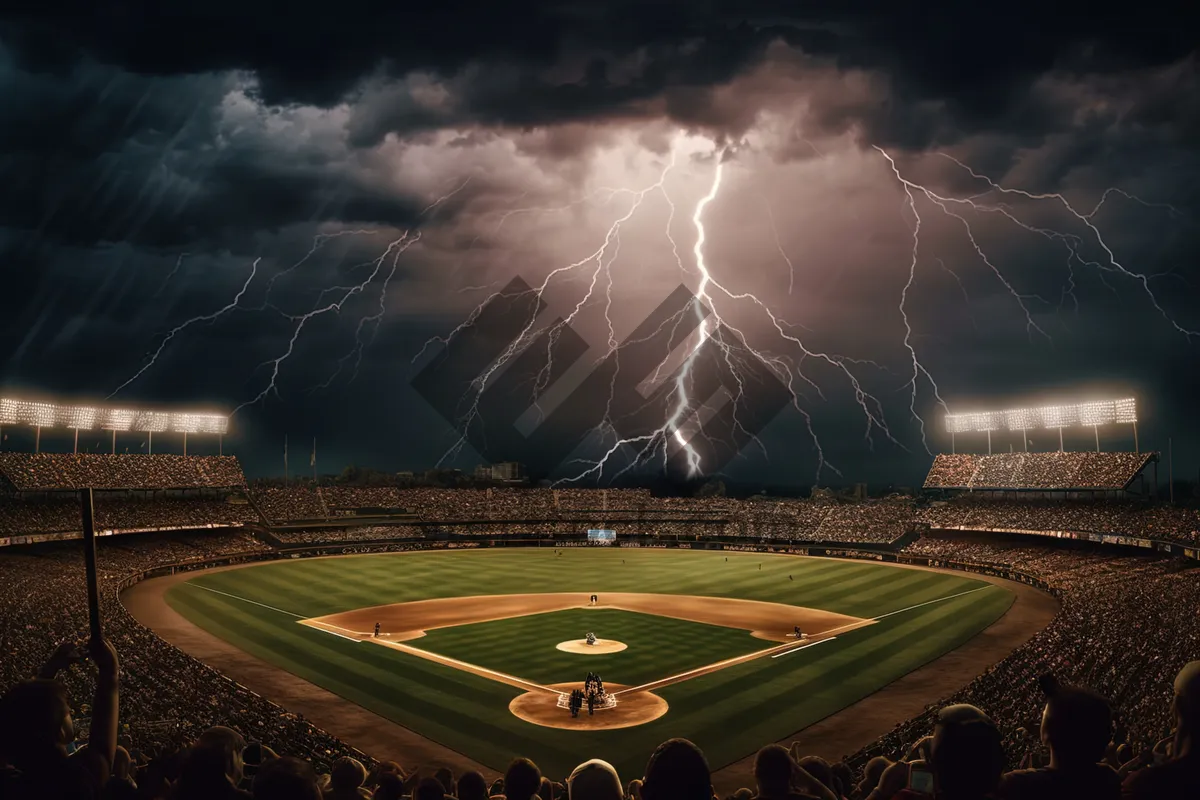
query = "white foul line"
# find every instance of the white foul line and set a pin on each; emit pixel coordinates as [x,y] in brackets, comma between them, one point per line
[881,616]
[244,600]
[931,602]
[804,647]
[277,610]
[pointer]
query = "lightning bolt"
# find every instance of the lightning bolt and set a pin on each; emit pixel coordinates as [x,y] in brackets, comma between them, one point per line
[1112,265]
[961,287]
[1071,241]
[681,408]
[180,328]
[394,250]
[318,242]
[167,280]
[528,333]
[596,272]
[870,406]
[708,290]
[779,247]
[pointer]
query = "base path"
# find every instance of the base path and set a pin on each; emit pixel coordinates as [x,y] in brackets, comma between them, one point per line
[633,708]
[404,621]
[581,647]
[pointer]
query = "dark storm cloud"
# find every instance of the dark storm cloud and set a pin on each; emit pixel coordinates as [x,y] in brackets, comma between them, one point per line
[99,155]
[530,63]
[127,138]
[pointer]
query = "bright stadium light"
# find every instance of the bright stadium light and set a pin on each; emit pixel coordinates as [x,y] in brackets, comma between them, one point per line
[974,423]
[1126,411]
[118,419]
[54,415]
[152,421]
[1060,416]
[199,423]
[81,418]
[1021,419]
[1106,412]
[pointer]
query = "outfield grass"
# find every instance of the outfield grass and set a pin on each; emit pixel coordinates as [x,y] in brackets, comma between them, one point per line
[525,646]
[729,713]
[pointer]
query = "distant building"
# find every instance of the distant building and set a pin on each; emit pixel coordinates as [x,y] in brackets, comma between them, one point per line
[508,471]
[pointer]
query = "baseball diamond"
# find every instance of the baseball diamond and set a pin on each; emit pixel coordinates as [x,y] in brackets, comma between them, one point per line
[472,658]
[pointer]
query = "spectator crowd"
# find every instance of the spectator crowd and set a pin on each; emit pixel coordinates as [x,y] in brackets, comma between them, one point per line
[1103,703]
[29,472]
[1048,471]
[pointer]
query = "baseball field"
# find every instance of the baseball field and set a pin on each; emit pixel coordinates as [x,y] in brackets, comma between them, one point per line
[477,647]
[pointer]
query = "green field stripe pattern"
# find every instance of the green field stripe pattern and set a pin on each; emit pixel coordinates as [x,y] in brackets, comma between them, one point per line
[729,713]
[525,647]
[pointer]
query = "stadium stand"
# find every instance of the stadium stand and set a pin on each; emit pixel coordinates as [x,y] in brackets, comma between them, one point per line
[1168,523]
[1128,625]
[136,493]
[30,472]
[1037,471]
[118,513]
[623,510]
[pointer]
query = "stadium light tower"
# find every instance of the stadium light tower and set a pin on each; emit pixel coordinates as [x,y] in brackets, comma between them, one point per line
[40,415]
[1092,415]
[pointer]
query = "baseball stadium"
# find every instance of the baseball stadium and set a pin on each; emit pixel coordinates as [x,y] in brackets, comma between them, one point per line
[451,631]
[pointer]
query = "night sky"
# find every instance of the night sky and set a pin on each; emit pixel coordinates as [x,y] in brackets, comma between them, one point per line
[324,190]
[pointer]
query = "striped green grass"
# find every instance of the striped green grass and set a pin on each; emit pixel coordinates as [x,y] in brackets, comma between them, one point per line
[525,646]
[729,713]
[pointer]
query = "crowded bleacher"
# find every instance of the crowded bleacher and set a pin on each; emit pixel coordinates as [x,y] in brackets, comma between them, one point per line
[29,472]
[1039,471]
[135,492]
[1128,625]
[211,491]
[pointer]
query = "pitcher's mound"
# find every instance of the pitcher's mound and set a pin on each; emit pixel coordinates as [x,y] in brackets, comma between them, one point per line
[581,646]
[633,708]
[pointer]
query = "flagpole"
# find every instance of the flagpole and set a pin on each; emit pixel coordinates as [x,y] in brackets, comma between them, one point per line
[285,464]
[313,461]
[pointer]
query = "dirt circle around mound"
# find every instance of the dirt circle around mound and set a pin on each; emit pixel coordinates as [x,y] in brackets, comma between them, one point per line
[601,647]
[633,709]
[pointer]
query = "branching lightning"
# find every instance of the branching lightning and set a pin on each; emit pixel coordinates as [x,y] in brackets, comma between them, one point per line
[180,328]
[779,247]
[594,276]
[394,250]
[708,291]
[1112,265]
[386,264]
[1071,241]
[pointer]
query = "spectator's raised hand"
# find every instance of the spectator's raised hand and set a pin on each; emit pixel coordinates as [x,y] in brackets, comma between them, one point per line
[65,655]
[104,657]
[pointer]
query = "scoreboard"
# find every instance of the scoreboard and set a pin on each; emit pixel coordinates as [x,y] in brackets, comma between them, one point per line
[600,535]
